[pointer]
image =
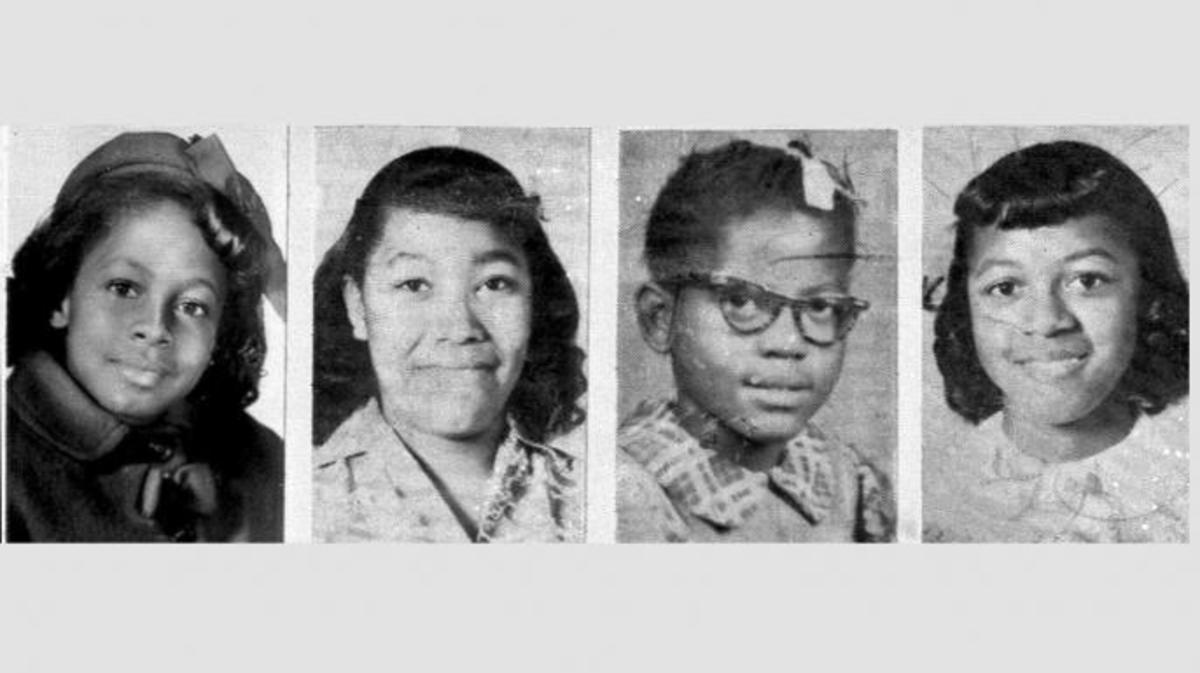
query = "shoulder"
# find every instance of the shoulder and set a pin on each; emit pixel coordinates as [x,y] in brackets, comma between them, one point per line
[868,487]
[644,511]
[651,433]
[562,471]
[1169,427]
[238,437]
[354,437]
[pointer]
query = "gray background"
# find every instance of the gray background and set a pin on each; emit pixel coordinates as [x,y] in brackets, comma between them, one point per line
[603,607]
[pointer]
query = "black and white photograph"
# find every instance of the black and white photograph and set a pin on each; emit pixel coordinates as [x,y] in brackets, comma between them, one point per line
[146,300]
[449,325]
[1056,334]
[757,336]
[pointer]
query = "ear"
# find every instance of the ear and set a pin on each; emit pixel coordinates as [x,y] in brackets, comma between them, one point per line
[61,317]
[355,311]
[655,305]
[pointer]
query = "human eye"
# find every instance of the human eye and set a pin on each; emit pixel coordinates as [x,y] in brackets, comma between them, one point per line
[500,283]
[1088,282]
[413,285]
[742,303]
[1005,288]
[124,288]
[195,308]
[826,310]
[739,297]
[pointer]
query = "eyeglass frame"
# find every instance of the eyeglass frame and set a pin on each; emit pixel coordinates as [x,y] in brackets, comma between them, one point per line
[774,305]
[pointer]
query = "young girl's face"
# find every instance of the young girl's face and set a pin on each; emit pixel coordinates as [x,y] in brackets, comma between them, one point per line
[767,384]
[445,307]
[1054,315]
[141,317]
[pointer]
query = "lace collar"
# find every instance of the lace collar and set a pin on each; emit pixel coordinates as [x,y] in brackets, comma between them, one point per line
[1145,474]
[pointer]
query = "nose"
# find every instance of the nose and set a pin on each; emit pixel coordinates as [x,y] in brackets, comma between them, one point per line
[1046,314]
[455,320]
[152,323]
[783,339]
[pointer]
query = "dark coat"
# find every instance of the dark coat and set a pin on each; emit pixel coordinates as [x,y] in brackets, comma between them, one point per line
[76,473]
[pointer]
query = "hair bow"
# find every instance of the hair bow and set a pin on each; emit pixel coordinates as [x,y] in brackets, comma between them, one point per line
[201,158]
[821,178]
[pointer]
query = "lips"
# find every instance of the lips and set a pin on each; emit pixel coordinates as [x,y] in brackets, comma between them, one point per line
[464,360]
[460,366]
[1052,364]
[778,390]
[776,382]
[141,373]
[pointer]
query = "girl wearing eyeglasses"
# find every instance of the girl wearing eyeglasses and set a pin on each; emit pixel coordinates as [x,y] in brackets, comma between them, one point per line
[749,250]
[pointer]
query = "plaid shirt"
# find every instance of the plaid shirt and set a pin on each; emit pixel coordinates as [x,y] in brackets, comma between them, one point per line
[368,486]
[674,486]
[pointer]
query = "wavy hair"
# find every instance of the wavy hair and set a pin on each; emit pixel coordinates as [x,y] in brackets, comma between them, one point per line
[1045,185]
[465,184]
[45,267]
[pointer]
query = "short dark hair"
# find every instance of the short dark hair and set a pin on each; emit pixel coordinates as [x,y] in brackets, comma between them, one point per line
[710,188]
[1044,185]
[45,267]
[465,184]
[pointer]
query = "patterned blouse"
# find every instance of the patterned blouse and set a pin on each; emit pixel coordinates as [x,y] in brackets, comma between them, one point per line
[984,489]
[673,486]
[369,486]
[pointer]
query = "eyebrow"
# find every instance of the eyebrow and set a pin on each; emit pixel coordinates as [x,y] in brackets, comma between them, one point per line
[990,264]
[1073,257]
[499,255]
[1091,252]
[404,255]
[141,268]
[825,255]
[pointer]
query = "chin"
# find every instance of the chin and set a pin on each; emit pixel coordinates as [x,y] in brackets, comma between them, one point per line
[459,423]
[1054,412]
[768,428]
[131,410]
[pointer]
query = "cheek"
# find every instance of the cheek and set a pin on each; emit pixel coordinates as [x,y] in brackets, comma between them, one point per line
[508,324]
[1112,327]
[93,321]
[991,337]
[826,365]
[200,343]
[391,327]
[702,343]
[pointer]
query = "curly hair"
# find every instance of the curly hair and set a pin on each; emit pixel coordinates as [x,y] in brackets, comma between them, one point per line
[45,267]
[1044,185]
[461,183]
[710,188]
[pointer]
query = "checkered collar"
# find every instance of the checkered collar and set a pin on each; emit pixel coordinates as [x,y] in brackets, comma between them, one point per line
[679,448]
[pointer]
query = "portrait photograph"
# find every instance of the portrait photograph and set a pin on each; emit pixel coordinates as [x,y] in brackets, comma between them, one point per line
[145,352]
[450,306]
[1055,364]
[757,336]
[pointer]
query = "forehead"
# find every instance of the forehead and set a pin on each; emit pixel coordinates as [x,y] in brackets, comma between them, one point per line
[438,237]
[162,237]
[782,245]
[1052,244]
